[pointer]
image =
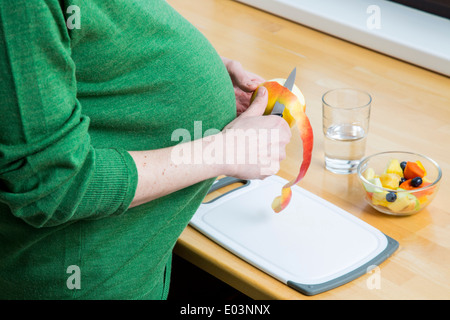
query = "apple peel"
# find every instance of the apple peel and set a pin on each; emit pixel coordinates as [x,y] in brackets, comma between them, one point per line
[294,114]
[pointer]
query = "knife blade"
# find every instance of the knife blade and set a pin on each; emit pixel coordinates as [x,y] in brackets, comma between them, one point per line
[278,108]
[291,80]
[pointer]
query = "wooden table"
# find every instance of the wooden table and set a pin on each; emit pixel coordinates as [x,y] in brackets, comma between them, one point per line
[410,112]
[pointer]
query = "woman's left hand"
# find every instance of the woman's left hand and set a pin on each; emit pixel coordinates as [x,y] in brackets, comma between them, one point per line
[244,83]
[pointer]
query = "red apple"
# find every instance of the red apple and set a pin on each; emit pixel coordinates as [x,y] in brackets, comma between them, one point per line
[294,113]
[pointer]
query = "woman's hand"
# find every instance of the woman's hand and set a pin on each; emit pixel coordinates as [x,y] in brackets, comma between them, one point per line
[257,144]
[244,83]
[260,141]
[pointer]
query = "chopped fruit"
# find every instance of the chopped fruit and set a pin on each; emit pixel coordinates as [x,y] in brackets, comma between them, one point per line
[391,196]
[416,182]
[408,186]
[369,174]
[422,199]
[403,165]
[379,199]
[412,170]
[400,188]
[421,167]
[405,202]
[394,167]
[390,180]
[376,182]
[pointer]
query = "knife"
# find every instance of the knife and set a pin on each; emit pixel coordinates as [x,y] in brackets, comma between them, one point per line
[278,108]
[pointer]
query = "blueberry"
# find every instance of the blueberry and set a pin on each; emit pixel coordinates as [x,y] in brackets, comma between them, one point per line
[403,165]
[391,196]
[401,181]
[417,181]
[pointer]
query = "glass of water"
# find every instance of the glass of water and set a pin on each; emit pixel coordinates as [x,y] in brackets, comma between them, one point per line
[345,114]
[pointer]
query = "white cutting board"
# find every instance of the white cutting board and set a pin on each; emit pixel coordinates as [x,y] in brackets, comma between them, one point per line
[312,246]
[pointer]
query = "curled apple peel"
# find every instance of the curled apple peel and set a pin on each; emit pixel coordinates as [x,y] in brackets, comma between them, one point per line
[294,114]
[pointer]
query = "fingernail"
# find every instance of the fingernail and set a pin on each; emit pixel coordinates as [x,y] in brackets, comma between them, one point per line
[262,91]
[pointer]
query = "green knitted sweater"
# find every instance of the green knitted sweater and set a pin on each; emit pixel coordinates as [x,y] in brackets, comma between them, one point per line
[79,86]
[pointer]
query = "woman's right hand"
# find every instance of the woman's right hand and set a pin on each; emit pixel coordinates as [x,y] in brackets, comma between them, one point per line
[255,145]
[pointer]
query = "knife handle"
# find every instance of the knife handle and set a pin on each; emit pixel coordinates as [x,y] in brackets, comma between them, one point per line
[218,184]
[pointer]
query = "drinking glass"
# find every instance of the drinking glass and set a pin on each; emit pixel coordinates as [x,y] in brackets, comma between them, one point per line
[346,115]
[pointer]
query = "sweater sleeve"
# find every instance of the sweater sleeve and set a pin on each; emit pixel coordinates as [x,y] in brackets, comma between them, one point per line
[49,172]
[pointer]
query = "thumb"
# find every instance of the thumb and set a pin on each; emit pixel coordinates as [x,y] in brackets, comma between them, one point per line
[258,105]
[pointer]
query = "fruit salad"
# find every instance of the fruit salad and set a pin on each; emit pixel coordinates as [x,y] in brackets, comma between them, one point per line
[401,188]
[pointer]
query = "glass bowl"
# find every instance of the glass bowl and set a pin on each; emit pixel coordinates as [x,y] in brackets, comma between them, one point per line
[383,179]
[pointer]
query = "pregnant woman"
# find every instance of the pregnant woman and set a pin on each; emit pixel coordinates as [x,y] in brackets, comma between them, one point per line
[91,203]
